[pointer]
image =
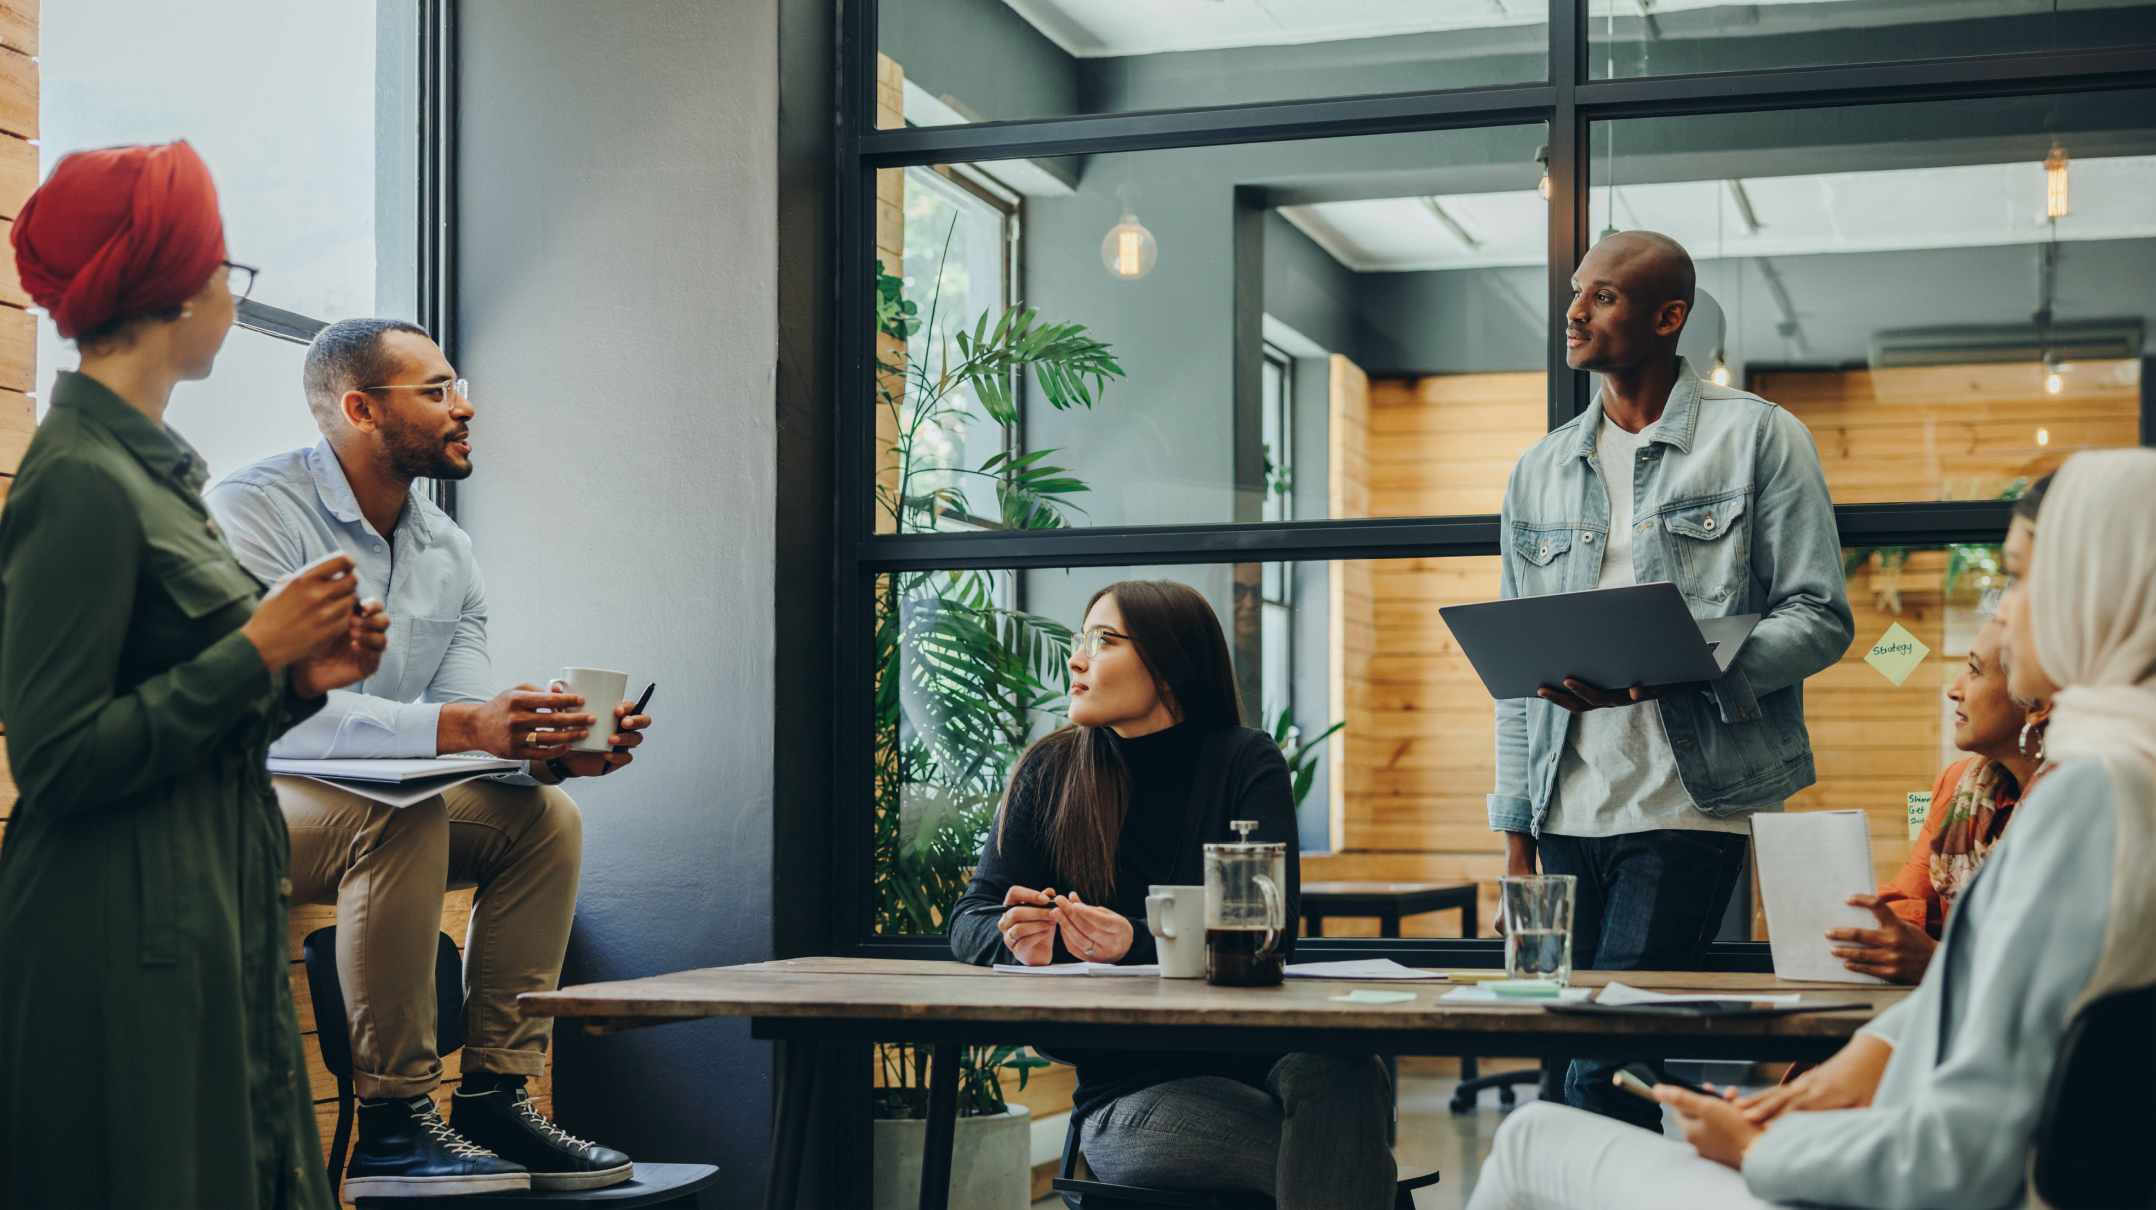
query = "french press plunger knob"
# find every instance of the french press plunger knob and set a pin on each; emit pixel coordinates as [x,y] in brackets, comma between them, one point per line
[1243,827]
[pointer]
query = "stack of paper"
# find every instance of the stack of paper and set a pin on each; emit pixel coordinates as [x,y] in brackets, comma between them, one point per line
[1810,863]
[1361,968]
[399,783]
[1617,995]
[1483,995]
[1076,968]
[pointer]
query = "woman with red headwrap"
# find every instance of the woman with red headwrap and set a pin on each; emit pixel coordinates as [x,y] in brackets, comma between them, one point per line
[149,1052]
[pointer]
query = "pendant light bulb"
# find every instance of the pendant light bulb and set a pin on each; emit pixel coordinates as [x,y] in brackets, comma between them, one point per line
[1721,373]
[1542,157]
[2053,384]
[2055,183]
[1129,250]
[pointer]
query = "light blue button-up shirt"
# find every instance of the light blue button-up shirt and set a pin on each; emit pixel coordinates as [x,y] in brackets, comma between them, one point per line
[285,512]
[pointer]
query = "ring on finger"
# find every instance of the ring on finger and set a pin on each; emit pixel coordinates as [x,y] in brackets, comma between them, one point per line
[531,739]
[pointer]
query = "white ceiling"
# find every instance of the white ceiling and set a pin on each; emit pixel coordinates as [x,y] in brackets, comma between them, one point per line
[1097,28]
[1971,206]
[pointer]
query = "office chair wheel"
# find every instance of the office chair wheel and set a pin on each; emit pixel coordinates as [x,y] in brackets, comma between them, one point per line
[1463,1102]
[1506,1098]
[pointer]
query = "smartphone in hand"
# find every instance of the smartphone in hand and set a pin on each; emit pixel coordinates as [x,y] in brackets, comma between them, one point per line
[1639,1080]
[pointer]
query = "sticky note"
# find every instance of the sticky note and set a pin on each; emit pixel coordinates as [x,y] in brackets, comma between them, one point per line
[1366,995]
[1919,811]
[1896,654]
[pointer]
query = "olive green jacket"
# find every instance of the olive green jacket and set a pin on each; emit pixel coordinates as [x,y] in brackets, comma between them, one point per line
[149,1052]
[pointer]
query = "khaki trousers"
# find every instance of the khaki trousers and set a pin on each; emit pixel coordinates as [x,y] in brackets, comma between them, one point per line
[387,868]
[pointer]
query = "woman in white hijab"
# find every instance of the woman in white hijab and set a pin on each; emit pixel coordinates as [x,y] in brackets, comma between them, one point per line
[1935,1103]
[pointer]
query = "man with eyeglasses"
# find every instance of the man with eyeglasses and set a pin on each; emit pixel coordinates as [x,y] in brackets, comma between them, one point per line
[392,411]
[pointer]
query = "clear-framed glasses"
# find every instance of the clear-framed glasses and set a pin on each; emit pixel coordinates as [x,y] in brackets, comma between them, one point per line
[430,391]
[1092,639]
[240,279]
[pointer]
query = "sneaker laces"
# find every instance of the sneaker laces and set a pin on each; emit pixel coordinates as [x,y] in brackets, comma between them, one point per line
[430,1120]
[539,1122]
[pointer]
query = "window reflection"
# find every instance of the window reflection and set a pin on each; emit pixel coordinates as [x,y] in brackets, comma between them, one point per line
[1953,296]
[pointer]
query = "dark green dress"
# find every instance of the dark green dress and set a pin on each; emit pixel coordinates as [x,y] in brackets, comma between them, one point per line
[149,1052]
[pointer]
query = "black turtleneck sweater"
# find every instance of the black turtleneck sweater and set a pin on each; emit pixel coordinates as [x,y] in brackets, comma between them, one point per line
[1243,777]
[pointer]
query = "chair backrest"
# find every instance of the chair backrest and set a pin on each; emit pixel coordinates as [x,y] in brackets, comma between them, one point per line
[2092,1150]
[319,951]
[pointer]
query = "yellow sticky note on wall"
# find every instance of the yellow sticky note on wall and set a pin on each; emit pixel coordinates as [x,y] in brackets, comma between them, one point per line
[1896,654]
[1919,811]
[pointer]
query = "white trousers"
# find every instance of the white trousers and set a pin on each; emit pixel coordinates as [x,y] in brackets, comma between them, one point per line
[1554,1157]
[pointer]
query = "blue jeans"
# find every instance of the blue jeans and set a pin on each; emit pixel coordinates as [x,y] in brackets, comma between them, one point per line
[1646,901]
[1313,1138]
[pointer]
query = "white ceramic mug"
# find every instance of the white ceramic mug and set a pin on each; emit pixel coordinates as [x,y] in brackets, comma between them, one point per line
[1175,915]
[601,690]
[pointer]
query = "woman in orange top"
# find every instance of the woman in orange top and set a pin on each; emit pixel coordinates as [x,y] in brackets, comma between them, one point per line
[1971,803]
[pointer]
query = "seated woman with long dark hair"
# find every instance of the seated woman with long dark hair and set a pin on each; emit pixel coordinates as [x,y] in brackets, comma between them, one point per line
[1154,765]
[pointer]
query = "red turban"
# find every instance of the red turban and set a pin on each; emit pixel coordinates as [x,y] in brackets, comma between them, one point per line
[118,233]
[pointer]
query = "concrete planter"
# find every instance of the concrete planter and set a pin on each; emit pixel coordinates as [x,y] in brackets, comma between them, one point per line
[991,1162]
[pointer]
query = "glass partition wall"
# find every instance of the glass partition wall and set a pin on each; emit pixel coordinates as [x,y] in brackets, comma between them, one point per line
[1265,301]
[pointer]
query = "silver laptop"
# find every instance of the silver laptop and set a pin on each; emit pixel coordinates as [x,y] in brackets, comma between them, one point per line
[1611,638]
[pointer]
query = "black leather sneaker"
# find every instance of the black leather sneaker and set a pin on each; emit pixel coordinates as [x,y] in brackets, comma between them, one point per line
[405,1149]
[504,1120]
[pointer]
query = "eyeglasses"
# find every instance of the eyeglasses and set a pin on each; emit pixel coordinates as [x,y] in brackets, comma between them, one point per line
[240,279]
[1092,639]
[430,391]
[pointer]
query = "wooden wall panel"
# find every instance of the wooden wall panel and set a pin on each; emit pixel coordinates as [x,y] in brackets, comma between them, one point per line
[891,250]
[18,26]
[18,176]
[1955,432]
[18,350]
[1418,755]
[18,94]
[1352,638]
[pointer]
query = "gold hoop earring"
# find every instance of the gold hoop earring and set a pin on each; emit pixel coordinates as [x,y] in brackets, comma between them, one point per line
[2022,744]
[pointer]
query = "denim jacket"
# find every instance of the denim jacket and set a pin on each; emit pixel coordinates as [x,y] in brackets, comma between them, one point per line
[1729,503]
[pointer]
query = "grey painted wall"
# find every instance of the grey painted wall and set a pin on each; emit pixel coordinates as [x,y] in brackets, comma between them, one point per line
[619,208]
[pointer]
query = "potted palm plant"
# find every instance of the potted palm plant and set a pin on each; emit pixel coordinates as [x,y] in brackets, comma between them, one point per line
[964,682]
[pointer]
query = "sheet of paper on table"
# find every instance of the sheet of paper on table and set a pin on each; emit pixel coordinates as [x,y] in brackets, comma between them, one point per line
[1076,968]
[397,783]
[1810,863]
[1360,968]
[1618,995]
[1483,995]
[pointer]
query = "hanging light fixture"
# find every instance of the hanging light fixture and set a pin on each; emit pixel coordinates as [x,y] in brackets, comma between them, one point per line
[1721,372]
[1542,157]
[2055,183]
[1129,250]
[2053,383]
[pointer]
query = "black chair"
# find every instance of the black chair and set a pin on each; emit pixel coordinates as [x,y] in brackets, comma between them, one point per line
[652,1185]
[1084,1193]
[2091,1147]
[1463,1097]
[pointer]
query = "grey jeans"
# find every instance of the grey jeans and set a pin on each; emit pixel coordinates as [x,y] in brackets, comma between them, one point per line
[1313,1137]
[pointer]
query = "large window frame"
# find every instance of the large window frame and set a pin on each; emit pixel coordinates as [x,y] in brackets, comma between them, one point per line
[1568,102]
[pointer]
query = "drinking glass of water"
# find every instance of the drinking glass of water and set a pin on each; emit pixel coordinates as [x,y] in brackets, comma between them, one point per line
[1537,911]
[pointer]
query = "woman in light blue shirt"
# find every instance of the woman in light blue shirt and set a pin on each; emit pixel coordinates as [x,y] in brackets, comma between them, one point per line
[1935,1103]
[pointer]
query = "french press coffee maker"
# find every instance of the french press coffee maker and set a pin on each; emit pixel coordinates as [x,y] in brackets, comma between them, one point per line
[1246,909]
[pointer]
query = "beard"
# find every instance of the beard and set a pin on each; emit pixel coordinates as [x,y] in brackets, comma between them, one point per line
[416,453]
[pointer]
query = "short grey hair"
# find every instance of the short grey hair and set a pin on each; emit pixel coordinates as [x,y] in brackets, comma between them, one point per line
[348,356]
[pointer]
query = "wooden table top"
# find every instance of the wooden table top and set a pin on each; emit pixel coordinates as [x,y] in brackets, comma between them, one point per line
[895,990]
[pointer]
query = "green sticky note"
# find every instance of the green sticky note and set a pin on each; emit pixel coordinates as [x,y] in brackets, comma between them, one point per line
[1896,654]
[1919,811]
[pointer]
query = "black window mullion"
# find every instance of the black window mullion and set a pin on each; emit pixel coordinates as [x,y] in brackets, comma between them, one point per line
[1090,134]
[1870,83]
[1569,182]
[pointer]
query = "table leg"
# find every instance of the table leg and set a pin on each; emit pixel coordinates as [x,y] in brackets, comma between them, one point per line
[942,1124]
[1317,925]
[1389,925]
[1470,919]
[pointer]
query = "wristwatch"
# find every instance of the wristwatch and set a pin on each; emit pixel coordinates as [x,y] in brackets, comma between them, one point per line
[559,770]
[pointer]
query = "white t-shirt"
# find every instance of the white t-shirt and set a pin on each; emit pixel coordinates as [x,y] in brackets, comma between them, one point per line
[1616,774]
